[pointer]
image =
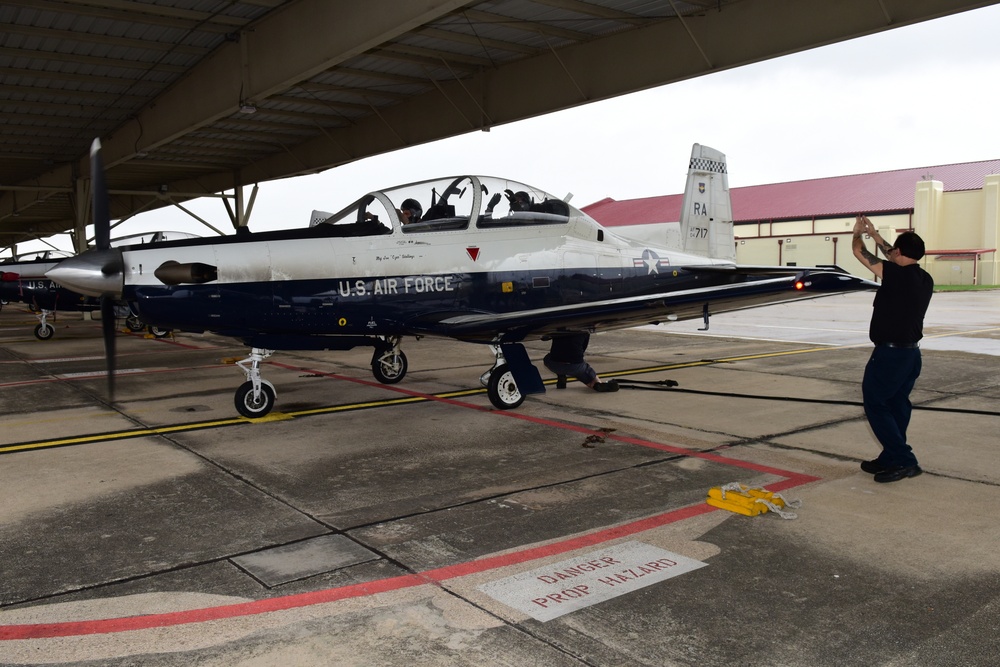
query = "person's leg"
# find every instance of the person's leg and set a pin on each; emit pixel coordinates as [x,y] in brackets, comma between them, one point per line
[580,370]
[890,373]
[900,404]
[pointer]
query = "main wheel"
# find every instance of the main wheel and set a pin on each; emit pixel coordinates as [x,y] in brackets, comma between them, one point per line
[158,332]
[247,406]
[502,390]
[134,324]
[44,331]
[389,368]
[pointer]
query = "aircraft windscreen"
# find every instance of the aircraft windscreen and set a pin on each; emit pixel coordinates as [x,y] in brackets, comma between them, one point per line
[38,256]
[509,203]
[448,204]
[440,205]
[368,216]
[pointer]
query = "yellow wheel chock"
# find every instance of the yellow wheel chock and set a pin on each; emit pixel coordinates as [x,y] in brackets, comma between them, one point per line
[736,497]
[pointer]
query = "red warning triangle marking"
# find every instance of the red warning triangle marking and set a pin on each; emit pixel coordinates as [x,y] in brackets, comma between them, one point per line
[473,253]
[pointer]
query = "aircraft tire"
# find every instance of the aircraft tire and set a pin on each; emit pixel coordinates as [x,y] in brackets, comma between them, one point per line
[249,408]
[157,332]
[44,331]
[389,369]
[502,390]
[134,324]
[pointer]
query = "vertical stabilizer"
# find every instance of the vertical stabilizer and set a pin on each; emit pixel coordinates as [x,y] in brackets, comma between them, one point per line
[707,213]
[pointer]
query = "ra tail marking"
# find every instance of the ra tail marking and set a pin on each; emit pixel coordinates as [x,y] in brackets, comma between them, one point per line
[707,213]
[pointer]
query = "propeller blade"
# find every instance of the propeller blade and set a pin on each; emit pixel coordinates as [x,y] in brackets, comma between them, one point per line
[99,198]
[101,215]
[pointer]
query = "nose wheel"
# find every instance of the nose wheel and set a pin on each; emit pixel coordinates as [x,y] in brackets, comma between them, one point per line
[255,397]
[44,330]
[251,404]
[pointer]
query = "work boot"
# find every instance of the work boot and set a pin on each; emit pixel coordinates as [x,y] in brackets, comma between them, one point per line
[560,382]
[610,385]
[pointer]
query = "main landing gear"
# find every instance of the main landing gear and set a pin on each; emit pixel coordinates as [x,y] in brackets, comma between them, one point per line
[255,397]
[135,324]
[500,385]
[388,362]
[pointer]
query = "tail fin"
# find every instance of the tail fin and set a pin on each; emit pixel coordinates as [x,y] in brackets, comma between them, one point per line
[707,213]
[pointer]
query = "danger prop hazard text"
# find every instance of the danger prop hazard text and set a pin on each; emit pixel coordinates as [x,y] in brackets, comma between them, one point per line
[610,578]
[549,592]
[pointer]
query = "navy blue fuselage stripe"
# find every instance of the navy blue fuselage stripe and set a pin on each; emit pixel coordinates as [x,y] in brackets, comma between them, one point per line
[293,311]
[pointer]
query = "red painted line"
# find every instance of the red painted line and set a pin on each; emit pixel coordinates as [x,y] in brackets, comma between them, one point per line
[435,576]
[439,575]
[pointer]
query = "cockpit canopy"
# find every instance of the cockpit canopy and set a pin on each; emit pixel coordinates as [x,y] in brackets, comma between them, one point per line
[451,204]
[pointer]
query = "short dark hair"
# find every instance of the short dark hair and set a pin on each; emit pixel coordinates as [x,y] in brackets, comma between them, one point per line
[909,245]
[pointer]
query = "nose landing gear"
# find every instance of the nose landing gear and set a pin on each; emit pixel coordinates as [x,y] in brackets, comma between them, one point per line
[255,397]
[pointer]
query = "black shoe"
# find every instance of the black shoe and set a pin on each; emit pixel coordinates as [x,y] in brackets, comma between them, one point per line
[873,467]
[610,385]
[897,473]
[560,382]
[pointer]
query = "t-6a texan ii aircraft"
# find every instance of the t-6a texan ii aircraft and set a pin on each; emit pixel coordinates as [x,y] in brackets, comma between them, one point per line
[478,259]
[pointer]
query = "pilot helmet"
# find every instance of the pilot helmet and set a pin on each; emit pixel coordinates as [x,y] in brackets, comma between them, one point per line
[522,201]
[413,206]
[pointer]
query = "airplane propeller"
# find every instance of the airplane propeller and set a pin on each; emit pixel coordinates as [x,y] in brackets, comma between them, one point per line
[111,262]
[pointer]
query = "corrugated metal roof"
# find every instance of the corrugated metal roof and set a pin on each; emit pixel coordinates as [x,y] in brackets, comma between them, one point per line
[77,70]
[878,192]
[194,97]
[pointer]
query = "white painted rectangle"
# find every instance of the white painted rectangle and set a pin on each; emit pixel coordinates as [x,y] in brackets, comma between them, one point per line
[94,374]
[549,592]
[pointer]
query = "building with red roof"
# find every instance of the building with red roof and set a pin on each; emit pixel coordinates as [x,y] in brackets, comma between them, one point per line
[954,207]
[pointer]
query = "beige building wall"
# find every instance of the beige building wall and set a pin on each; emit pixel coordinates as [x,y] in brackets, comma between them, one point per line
[945,220]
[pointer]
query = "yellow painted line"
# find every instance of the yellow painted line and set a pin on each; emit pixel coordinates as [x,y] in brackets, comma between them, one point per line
[964,333]
[121,435]
[284,416]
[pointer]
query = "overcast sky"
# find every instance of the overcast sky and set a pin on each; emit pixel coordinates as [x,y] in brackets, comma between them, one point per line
[918,96]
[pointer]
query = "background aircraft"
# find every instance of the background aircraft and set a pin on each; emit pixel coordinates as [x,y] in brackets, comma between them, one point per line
[23,279]
[477,259]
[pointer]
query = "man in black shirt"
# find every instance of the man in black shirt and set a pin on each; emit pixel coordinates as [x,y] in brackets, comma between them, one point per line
[896,327]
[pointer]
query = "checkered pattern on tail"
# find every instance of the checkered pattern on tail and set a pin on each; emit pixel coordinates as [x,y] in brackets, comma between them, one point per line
[704,164]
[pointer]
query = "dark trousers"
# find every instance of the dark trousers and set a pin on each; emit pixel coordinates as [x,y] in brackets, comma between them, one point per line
[580,370]
[889,378]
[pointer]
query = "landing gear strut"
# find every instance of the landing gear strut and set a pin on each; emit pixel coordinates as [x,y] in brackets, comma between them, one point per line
[388,362]
[500,385]
[44,330]
[255,397]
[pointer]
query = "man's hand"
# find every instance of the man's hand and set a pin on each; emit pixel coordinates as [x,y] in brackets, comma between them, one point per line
[863,225]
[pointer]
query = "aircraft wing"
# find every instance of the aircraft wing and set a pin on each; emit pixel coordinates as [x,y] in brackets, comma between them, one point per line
[747,291]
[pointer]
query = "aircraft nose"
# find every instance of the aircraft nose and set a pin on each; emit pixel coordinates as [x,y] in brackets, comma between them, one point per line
[94,273]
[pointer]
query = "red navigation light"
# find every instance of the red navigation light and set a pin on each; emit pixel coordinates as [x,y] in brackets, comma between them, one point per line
[799,284]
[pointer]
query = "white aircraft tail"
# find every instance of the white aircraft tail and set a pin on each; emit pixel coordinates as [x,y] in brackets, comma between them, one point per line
[707,213]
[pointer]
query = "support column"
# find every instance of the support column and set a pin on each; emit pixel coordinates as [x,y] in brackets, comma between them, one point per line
[81,214]
[927,221]
[989,265]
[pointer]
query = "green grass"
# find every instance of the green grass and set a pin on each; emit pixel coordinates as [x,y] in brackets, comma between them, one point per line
[963,288]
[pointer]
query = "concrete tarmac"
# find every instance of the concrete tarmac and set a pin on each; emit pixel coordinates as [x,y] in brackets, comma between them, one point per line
[413,524]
